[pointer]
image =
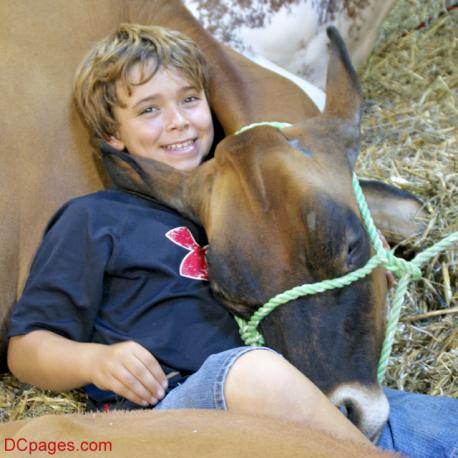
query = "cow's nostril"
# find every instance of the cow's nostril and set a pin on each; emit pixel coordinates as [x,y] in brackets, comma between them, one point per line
[351,411]
[343,409]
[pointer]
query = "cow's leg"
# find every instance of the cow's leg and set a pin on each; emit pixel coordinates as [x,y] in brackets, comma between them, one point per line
[264,382]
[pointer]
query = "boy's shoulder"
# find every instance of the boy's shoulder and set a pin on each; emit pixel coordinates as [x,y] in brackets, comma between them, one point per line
[97,203]
[102,198]
[106,205]
[106,201]
[110,208]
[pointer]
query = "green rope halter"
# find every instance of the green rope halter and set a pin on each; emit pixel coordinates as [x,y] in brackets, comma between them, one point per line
[406,271]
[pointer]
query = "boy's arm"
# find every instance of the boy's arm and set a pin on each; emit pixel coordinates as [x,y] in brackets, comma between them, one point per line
[54,362]
[48,360]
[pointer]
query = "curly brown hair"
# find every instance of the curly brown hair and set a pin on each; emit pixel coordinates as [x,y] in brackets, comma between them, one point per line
[111,60]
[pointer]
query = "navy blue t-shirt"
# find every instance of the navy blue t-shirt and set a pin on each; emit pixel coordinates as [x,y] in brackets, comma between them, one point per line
[114,267]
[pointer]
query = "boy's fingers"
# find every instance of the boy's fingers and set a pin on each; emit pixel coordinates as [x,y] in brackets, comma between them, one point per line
[146,379]
[152,365]
[124,391]
[135,374]
[133,389]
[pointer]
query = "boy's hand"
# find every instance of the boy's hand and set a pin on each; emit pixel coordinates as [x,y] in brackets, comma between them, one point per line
[128,369]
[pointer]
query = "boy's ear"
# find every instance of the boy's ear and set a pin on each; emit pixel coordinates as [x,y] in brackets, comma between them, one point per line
[115,142]
[397,213]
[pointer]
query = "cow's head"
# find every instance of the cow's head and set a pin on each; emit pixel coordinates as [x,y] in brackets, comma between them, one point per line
[279,211]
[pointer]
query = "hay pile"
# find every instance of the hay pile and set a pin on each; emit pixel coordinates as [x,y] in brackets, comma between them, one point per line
[410,140]
[409,134]
[18,400]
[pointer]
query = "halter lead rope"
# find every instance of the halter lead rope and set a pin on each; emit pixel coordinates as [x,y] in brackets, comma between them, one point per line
[405,271]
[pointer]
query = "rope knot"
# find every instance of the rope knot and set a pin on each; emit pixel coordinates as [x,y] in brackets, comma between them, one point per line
[400,266]
[249,334]
[252,337]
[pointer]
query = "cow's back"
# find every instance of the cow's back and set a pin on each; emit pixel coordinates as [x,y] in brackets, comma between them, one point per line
[46,157]
[183,433]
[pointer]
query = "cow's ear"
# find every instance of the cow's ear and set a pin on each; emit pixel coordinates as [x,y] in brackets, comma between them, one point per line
[147,177]
[155,180]
[343,92]
[397,213]
[125,172]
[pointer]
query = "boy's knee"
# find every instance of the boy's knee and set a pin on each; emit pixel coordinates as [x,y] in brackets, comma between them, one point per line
[265,382]
[256,363]
[256,371]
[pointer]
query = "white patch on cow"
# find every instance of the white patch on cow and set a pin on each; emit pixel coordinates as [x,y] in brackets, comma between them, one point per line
[314,51]
[293,25]
[371,405]
[193,7]
[317,96]
[293,35]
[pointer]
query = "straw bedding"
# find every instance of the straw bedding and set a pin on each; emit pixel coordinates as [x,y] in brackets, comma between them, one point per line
[409,139]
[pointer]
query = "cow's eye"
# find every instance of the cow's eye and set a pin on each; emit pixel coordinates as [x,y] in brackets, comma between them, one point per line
[296,144]
[354,252]
[358,249]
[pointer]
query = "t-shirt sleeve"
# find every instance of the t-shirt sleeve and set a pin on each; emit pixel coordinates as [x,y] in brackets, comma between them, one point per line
[64,289]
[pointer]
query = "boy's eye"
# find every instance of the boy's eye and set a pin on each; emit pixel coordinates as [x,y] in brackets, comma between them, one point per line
[191,98]
[149,110]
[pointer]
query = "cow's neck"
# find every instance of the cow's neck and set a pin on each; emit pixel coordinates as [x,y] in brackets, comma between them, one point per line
[240,91]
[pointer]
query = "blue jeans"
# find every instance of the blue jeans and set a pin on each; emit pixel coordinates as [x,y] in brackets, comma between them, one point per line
[419,426]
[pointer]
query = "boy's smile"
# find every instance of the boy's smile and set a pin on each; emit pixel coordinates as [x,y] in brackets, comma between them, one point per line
[166,119]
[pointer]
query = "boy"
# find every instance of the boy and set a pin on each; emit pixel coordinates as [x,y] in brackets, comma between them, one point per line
[106,305]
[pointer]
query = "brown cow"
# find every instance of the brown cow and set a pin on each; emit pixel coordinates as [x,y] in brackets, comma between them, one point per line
[276,185]
[180,433]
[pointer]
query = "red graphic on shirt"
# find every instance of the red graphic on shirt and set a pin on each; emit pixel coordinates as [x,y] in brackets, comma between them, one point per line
[194,264]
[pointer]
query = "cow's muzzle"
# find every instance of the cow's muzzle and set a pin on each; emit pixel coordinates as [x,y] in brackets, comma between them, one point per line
[366,407]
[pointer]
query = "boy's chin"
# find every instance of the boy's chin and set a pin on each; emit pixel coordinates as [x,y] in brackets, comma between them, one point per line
[188,167]
[186,164]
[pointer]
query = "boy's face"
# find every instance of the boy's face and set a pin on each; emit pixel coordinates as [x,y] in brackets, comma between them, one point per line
[165,119]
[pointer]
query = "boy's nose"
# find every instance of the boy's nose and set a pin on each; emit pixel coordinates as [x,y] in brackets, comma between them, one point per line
[176,119]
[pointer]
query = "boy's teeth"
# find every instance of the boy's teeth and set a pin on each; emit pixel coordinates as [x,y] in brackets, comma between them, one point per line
[179,145]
